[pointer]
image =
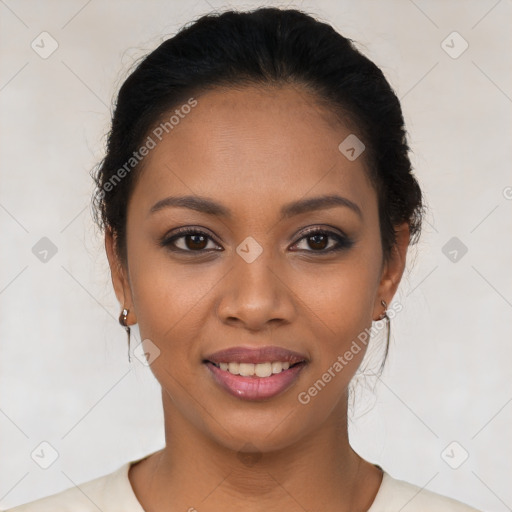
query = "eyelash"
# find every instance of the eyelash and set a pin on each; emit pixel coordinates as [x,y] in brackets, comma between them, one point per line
[342,241]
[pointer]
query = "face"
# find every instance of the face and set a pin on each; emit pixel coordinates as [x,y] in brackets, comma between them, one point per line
[265,265]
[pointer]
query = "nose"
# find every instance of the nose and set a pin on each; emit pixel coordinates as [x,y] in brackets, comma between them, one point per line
[256,295]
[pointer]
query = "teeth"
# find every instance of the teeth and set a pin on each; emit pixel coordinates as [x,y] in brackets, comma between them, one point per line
[278,367]
[250,369]
[263,369]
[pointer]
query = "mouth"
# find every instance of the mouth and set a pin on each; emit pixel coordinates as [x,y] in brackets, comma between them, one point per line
[255,374]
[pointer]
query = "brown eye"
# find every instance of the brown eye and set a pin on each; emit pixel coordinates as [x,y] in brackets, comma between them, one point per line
[323,242]
[189,240]
[195,241]
[318,241]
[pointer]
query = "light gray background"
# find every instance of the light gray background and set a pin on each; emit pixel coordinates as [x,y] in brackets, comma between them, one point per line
[64,374]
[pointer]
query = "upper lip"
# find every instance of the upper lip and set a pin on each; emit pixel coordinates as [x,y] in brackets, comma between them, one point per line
[255,355]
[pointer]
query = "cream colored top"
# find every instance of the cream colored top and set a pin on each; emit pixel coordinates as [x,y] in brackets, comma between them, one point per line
[113,493]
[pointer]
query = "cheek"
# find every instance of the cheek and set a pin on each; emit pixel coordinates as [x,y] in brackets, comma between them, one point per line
[342,298]
[174,305]
[342,306]
[169,301]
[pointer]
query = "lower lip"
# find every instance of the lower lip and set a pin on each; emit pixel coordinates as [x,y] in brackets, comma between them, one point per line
[255,388]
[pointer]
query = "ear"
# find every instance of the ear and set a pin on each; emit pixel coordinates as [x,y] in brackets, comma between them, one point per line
[392,269]
[119,274]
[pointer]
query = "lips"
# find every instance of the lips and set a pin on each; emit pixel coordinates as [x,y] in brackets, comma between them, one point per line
[289,365]
[255,355]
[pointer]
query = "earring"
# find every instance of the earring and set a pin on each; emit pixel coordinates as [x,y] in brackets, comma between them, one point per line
[385,313]
[383,316]
[123,321]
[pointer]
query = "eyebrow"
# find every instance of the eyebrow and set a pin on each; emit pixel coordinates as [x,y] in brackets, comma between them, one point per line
[211,207]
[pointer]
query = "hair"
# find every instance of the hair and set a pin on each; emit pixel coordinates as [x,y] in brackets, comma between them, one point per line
[262,47]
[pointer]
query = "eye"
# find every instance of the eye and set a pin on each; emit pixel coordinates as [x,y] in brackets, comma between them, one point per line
[194,240]
[318,240]
[190,240]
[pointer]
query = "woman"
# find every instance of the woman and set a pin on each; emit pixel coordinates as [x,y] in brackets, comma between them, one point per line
[258,202]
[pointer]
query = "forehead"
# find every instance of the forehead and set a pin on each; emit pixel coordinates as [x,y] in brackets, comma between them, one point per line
[263,145]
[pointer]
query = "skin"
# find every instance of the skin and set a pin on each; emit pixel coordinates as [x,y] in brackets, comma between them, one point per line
[254,150]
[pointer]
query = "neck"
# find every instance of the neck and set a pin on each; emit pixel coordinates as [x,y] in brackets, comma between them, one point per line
[319,471]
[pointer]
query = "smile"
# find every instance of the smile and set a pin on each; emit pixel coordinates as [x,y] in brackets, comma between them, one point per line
[247,385]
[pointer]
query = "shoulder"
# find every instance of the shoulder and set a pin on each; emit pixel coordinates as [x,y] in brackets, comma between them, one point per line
[107,493]
[397,495]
